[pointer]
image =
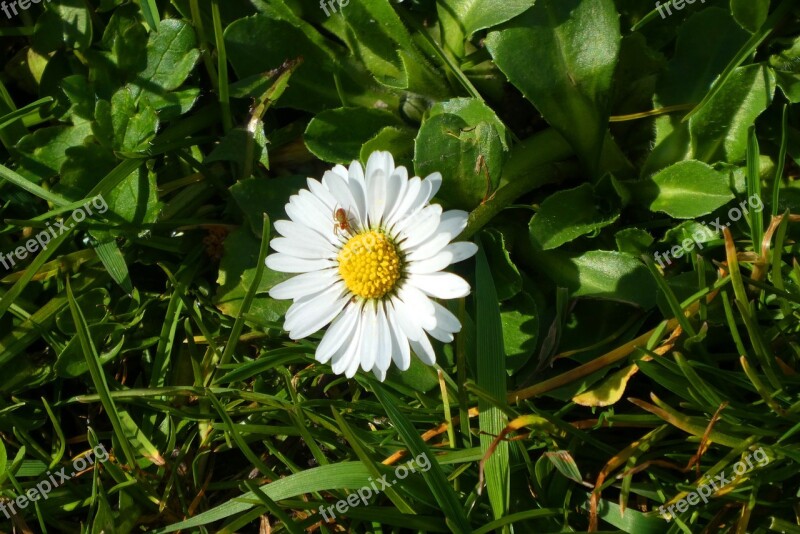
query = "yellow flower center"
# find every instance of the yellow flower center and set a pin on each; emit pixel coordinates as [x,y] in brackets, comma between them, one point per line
[369,264]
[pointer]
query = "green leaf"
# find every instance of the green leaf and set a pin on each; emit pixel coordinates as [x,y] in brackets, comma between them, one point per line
[520,317]
[477,15]
[544,53]
[706,43]
[473,111]
[43,152]
[687,190]
[312,88]
[65,23]
[750,14]
[491,378]
[337,135]
[380,40]
[237,271]
[600,274]
[171,56]
[719,129]
[256,196]
[128,127]
[469,156]
[508,281]
[135,199]
[398,141]
[569,214]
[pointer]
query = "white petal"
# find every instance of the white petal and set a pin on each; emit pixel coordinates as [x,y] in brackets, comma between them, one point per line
[358,187]
[423,349]
[349,351]
[445,320]
[309,211]
[395,186]
[401,353]
[290,264]
[302,249]
[421,227]
[369,347]
[440,285]
[341,170]
[303,233]
[340,331]
[309,314]
[407,320]
[404,203]
[441,335]
[322,193]
[344,196]
[379,160]
[377,196]
[419,304]
[384,355]
[452,253]
[435,180]
[452,223]
[380,374]
[304,284]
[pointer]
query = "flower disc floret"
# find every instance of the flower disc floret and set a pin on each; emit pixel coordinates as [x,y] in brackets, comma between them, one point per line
[369,264]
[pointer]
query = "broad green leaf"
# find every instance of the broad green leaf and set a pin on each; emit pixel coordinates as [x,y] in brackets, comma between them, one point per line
[469,156]
[337,135]
[520,317]
[171,56]
[129,128]
[473,111]
[634,241]
[507,280]
[377,36]
[569,214]
[396,140]
[600,274]
[313,87]
[719,129]
[256,196]
[237,271]
[706,43]
[477,15]
[544,53]
[750,14]
[44,151]
[65,23]
[135,199]
[687,189]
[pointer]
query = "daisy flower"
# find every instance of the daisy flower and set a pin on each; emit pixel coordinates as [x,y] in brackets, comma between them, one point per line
[370,249]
